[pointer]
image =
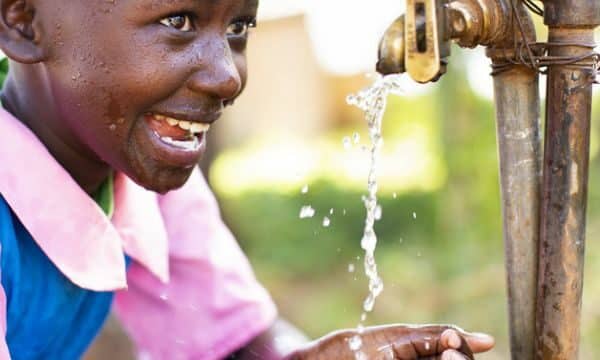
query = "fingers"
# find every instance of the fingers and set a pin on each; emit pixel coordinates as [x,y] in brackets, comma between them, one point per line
[477,342]
[453,355]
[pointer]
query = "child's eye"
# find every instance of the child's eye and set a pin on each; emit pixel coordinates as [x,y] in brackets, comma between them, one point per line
[241,27]
[178,22]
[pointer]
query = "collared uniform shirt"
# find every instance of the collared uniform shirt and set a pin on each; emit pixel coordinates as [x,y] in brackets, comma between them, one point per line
[166,264]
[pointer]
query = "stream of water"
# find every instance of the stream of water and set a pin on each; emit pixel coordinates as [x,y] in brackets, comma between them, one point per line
[372,101]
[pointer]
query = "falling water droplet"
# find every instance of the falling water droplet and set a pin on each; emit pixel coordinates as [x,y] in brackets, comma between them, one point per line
[356,138]
[331,211]
[347,142]
[378,212]
[414,214]
[307,212]
[305,189]
[351,268]
[326,222]
[394,195]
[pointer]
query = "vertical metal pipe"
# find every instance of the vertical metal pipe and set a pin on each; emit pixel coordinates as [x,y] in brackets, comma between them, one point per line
[565,181]
[519,148]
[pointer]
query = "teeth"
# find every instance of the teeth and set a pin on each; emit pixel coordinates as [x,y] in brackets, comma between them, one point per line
[185,125]
[199,128]
[193,127]
[191,145]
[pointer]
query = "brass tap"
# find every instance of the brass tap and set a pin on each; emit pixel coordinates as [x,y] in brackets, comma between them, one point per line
[415,42]
[419,41]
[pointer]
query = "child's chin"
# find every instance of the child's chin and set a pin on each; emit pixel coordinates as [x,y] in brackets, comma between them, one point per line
[165,180]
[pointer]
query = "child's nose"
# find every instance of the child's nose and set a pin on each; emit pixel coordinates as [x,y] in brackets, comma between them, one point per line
[217,75]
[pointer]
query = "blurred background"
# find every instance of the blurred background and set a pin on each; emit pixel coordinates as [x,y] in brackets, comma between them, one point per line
[291,141]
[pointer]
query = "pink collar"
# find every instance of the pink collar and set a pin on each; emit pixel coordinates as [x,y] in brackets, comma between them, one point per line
[68,225]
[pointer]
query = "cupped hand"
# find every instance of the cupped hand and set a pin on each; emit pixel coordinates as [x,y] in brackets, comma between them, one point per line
[398,342]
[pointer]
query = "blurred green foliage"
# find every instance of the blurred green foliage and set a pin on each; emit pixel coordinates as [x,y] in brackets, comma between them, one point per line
[444,265]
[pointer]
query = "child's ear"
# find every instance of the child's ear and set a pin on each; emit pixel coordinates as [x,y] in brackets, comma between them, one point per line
[19,38]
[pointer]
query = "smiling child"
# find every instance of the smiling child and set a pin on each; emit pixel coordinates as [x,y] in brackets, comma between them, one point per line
[107,105]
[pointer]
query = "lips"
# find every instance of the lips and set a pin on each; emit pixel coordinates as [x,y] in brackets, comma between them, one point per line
[172,141]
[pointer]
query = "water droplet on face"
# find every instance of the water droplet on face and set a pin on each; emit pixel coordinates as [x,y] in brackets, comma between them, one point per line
[307,212]
[351,268]
[427,346]
[347,142]
[305,189]
[326,222]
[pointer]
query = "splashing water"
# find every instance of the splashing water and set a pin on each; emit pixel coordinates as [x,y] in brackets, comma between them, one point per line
[372,101]
[307,212]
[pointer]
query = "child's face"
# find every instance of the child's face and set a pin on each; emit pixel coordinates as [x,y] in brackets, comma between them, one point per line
[117,67]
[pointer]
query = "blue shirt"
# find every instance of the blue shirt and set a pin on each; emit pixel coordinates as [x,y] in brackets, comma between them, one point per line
[48,317]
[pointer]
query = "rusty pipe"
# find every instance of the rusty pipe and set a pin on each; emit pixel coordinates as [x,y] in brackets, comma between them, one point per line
[519,148]
[517,100]
[565,180]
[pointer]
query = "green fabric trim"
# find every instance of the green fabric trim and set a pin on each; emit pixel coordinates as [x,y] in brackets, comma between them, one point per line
[105,196]
[3,70]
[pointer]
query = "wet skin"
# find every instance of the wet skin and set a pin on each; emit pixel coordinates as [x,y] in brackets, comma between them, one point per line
[98,68]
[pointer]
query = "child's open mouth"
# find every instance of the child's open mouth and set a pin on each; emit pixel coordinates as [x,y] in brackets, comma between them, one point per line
[173,141]
[181,134]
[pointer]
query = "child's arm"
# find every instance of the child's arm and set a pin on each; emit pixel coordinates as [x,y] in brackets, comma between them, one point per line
[385,342]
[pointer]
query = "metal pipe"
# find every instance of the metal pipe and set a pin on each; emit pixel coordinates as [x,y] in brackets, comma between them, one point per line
[565,180]
[519,148]
[516,89]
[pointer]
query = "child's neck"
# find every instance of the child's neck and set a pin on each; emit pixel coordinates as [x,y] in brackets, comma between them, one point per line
[38,114]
